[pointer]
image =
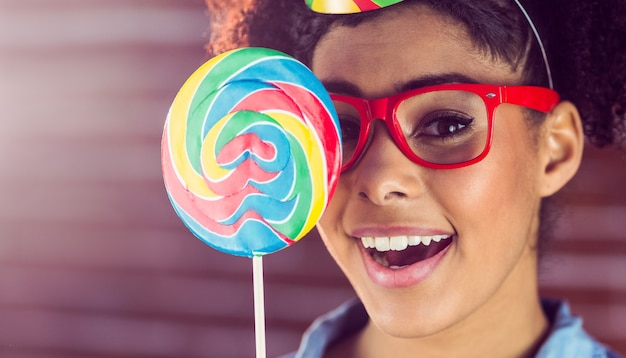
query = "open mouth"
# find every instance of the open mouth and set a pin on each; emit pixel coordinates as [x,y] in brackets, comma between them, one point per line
[397,252]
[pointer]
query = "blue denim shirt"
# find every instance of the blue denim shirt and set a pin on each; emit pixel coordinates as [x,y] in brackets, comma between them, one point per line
[567,337]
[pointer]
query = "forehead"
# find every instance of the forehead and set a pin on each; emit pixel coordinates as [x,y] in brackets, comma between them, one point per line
[380,54]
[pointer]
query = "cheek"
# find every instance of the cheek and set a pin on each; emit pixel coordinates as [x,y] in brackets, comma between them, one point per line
[329,226]
[486,198]
[495,200]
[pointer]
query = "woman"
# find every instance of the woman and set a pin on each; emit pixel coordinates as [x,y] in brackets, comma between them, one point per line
[439,217]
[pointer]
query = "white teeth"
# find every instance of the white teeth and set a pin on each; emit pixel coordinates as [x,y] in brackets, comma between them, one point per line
[382,244]
[368,242]
[399,243]
[415,240]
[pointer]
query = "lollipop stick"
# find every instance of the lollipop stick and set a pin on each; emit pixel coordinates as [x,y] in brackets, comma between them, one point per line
[259,305]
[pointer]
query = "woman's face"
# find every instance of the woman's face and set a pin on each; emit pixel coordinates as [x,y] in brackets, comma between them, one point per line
[487,213]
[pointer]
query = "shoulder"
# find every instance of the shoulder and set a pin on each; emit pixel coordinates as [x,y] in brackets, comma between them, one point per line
[331,328]
[567,337]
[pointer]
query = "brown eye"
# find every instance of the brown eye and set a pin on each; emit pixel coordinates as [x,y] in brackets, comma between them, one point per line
[446,125]
[350,129]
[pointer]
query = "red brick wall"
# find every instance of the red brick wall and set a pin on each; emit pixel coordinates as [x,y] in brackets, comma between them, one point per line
[93,260]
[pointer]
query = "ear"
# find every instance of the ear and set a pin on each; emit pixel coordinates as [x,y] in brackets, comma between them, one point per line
[562,147]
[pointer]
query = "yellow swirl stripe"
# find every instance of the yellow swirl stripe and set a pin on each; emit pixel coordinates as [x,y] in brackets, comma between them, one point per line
[177,133]
[316,159]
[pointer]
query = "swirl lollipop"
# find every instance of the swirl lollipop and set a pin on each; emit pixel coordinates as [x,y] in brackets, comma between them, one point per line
[347,6]
[250,155]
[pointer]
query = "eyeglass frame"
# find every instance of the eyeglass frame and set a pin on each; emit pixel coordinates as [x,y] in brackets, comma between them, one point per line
[533,97]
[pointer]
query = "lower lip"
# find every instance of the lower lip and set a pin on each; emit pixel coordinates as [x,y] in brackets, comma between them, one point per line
[405,277]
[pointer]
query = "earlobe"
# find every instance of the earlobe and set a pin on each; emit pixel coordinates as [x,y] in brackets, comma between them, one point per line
[563,143]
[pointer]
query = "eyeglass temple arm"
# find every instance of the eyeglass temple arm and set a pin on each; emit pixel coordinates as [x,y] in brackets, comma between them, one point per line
[537,98]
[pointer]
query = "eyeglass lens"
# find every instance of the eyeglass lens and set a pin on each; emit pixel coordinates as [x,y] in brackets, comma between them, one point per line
[440,127]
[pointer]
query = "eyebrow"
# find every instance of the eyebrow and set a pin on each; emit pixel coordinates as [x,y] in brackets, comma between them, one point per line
[343,88]
[434,80]
[349,89]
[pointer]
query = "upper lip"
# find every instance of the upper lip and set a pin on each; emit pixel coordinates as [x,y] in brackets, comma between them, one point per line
[390,231]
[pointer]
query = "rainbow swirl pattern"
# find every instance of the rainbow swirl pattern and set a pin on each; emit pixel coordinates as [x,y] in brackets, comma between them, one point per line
[251,151]
[347,6]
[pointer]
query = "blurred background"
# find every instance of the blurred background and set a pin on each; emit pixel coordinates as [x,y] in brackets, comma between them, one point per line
[93,260]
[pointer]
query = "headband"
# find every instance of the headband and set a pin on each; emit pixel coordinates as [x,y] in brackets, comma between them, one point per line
[357,6]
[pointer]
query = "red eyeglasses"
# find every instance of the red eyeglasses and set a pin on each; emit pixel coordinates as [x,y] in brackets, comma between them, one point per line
[440,127]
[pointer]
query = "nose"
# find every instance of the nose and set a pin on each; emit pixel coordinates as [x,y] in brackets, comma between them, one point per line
[383,174]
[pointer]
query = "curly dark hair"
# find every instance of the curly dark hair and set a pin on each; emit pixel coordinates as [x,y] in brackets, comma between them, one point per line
[584,40]
[588,48]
